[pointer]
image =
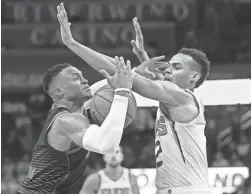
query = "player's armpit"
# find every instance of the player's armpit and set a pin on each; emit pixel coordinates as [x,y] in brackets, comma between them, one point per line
[91,184]
[162,91]
[134,184]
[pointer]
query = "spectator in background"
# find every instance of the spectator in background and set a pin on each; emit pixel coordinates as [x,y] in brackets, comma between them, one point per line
[146,153]
[129,156]
[244,146]
[220,160]
[235,160]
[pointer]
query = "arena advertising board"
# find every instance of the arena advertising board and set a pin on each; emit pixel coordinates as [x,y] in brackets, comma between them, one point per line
[182,11]
[225,179]
[108,35]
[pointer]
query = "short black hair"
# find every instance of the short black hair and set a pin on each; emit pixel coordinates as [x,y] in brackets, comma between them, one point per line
[51,74]
[201,58]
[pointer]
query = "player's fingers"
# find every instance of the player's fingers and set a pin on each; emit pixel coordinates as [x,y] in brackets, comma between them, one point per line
[128,66]
[158,71]
[134,45]
[61,21]
[150,74]
[105,74]
[122,63]
[64,12]
[58,9]
[117,64]
[138,29]
[160,64]
[155,59]
[60,15]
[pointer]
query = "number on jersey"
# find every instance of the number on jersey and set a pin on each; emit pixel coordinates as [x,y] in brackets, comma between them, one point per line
[158,150]
[160,130]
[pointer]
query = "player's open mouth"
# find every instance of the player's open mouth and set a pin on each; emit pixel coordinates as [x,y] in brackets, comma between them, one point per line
[167,79]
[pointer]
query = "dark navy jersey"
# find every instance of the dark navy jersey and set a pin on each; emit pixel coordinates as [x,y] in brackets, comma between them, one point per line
[52,171]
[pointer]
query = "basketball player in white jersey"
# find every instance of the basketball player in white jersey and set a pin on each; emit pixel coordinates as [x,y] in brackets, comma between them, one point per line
[181,159]
[112,179]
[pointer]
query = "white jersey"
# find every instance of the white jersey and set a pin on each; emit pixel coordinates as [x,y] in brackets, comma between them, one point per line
[109,186]
[180,150]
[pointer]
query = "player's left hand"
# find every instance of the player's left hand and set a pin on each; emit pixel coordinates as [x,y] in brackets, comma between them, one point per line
[138,44]
[151,67]
[123,77]
[64,25]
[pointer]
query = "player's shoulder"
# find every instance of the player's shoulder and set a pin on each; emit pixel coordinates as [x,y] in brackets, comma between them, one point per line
[131,175]
[93,179]
[70,121]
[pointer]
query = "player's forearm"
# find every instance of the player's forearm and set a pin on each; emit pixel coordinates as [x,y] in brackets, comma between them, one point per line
[154,90]
[143,56]
[96,60]
[106,138]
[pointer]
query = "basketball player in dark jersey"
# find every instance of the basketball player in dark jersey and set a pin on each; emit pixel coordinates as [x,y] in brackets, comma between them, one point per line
[61,153]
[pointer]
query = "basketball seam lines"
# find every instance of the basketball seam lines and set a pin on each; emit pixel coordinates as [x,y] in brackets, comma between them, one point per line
[107,101]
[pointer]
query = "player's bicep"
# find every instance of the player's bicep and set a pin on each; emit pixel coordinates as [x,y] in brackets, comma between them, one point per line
[162,91]
[134,184]
[91,184]
[174,93]
[73,126]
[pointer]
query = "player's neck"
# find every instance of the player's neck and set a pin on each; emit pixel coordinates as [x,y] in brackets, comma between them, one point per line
[71,106]
[117,170]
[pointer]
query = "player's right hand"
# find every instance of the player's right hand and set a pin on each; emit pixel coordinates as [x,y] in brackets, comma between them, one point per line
[150,67]
[64,25]
[123,77]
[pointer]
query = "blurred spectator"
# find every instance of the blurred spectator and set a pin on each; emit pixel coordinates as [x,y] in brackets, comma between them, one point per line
[220,160]
[235,160]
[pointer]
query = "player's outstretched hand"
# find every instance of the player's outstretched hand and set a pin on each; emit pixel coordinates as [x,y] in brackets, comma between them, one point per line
[123,77]
[150,67]
[138,44]
[64,25]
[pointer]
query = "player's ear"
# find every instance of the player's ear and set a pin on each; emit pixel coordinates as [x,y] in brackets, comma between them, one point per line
[195,77]
[57,93]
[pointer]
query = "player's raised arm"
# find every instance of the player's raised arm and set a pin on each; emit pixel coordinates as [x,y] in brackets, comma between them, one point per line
[96,60]
[134,184]
[138,43]
[106,138]
[91,184]
[139,51]
[162,91]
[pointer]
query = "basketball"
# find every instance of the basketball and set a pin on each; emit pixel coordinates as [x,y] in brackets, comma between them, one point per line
[101,103]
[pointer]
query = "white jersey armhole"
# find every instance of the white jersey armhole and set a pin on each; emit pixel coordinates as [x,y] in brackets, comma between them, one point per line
[200,106]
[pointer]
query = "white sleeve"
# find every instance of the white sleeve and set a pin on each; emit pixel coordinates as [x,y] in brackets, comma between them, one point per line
[106,138]
[94,88]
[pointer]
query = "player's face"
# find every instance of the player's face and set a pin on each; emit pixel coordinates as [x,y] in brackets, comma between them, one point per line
[180,71]
[73,85]
[114,159]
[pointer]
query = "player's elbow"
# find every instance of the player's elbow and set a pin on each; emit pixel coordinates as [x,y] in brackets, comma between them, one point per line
[103,144]
[99,148]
